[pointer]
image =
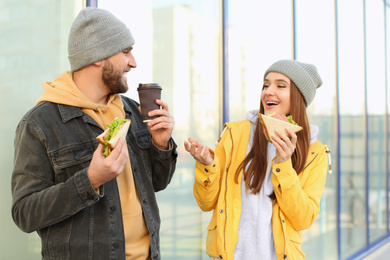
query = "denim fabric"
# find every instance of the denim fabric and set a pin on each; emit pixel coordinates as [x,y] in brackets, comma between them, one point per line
[52,194]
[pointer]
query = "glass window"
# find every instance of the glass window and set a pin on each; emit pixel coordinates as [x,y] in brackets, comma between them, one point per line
[352,126]
[387,15]
[33,49]
[315,43]
[177,44]
[259,35]
[376,108]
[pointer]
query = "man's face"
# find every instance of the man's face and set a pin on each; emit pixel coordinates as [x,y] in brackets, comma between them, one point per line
[115,69]
[114,78]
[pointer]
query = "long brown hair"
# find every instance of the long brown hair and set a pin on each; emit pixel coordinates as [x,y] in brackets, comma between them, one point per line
[254,166]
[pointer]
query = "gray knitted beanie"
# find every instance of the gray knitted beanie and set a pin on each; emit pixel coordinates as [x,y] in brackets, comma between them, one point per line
[305,76]
[96,34]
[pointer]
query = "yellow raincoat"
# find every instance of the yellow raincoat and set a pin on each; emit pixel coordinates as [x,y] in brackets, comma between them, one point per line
[296,206]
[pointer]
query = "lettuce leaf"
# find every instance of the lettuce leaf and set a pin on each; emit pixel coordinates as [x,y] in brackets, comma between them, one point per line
[290,120]
[114,128]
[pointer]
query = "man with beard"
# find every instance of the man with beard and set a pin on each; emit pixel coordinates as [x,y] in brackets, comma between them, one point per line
[82,204]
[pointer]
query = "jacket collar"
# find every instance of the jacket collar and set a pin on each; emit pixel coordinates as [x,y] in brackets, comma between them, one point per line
[68,113]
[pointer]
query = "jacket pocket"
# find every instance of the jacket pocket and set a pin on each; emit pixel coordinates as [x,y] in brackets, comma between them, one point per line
[212,236]
[295,238]
[143,139]
[71,158]
[56,240]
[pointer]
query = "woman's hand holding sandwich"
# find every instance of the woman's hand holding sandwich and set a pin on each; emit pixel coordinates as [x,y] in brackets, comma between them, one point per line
[285,145]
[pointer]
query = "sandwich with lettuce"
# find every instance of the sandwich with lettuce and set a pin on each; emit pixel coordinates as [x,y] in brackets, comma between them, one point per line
[116,129]
[270,124]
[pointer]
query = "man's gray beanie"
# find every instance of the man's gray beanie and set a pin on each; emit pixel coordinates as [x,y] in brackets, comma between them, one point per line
[305,76]
[95,35]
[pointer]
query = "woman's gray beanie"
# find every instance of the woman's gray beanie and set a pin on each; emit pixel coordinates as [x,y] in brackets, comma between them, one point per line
[95,35]
[305,76]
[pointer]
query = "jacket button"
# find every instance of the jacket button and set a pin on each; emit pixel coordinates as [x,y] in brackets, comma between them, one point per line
[113,208]
[116,245]
[277,169]
[221,211]
[77,157]
[206,170]
[220,257]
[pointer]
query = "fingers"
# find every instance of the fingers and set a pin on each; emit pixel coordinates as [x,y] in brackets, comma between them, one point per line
[285,146]
[164,106]
[164,120]
[190,143]
[199,151]
[164,111]
[119,154]
[99,151]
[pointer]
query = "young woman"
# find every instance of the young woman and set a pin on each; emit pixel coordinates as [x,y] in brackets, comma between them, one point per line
[264,193]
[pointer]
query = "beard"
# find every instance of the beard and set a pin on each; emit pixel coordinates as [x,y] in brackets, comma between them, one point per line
[113,79]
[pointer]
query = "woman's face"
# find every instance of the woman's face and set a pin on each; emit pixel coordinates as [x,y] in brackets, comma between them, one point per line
[275,95]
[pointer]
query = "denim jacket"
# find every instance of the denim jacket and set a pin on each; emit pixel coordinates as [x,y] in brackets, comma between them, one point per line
[52,193]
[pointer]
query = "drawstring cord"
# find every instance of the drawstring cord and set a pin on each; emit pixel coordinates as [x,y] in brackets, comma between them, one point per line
[120,105]
[101,118]
[329,160]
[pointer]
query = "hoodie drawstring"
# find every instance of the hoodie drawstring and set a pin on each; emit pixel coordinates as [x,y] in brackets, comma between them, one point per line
[329,160]
[102,118]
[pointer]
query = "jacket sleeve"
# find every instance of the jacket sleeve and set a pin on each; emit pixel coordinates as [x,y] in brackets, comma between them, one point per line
[37,201]
[207,183]
[164,165]
[300,203]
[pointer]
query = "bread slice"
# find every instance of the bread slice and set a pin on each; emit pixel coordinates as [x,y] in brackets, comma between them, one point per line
[102,137]
[271,124]
[122,132]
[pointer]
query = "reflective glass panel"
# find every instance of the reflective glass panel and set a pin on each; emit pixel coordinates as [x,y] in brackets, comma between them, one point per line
[260,33]
[376,108]
[352,126]
[315,43]
[388,102]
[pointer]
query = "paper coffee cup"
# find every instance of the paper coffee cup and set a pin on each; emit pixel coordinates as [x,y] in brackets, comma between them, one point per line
[148,93]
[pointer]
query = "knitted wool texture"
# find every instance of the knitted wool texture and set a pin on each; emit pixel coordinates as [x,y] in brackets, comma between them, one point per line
[95,35]
[305,76]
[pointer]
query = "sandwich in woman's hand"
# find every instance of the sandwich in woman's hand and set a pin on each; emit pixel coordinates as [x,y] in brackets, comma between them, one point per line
[109,138]
[270,124]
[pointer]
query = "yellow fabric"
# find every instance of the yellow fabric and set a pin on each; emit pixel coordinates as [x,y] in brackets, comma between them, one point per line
[136,233]
[63,90]
[297,202]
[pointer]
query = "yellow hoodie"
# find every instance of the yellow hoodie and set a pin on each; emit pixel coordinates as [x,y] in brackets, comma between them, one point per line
[64,91]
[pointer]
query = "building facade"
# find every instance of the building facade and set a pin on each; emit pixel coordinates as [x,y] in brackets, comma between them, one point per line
[210,56]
